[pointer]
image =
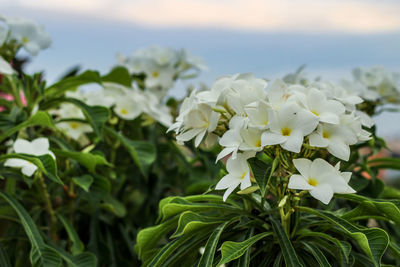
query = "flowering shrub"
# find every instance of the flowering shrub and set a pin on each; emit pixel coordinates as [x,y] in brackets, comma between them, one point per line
[286,143]
[87,161]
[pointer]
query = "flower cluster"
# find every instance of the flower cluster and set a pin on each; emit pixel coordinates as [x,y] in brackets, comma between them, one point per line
[161,66]
[375,84]
[127,104]
[248,119]
[24,32]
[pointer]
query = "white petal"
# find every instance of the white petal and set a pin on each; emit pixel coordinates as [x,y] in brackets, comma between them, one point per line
[303,166]
[18,163]
[329,117]
[199,138]
[320,168]
[225,152]
[317,140]
[294,142]
[322,192]
[227,181]
[40,146]
[29,169]
[23,146]
[188,135]
[228,192]
[339,149]
[346,176]
[245,182]
[298,182]
[269,138]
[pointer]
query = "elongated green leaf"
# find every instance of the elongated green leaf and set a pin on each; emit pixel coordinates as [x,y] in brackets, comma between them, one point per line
[317,253]
[45,163]
[190,221]
[207,258]
[40,254]
[179,205]
[113,205]
[84,181]
[289,254]
[372,241]
[71,83]
[85,259]
[40,118]
[385,163]
[148,238]
[118,75]
[143,153]
[77,245]
[370,207]
[232,250]
[343,246]
[89,160]
[244,260]
[261,172]
[4,260]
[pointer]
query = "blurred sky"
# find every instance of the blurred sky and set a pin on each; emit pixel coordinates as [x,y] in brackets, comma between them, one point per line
[267,37]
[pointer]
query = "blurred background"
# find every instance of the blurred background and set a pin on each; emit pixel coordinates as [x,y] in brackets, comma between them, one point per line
[267,37]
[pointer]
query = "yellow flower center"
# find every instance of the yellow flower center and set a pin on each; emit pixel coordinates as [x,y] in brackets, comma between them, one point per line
[258,144]
[155,74]
[312,182]
[25,40]
[243,175]
[266,122]
[123,111]
[286,131]
[315,112]
[74,125]
[325,134]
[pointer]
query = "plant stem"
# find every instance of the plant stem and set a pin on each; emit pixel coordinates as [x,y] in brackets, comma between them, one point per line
[49,207]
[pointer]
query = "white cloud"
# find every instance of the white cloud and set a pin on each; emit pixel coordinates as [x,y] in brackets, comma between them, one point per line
[264,15]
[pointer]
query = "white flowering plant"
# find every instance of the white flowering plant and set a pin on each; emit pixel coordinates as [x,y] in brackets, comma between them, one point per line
[84,161]
[301,184]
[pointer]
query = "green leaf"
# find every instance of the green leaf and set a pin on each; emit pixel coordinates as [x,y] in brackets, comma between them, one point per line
[317,253]
[190,221]
[148,238]
[261,172]
[77,245]
[143,153]
[84,181]
[71,83]
[179,205]
[118,75]
[40,118]
[370,207]
[232,250]
[343,246]
[385,163]
[85,259]
[372,241]
[45,163]
[4,260]
[89,160]
[41,254]
[289,254]
[114,205]
[207,258]
[244,260]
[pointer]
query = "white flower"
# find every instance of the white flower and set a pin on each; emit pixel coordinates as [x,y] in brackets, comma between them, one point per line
[336,138]
[320,178]
[159,78]
[326,110]
[238,174]
[197,122]
[251,140]
[74,129]
[156,109]
[5,67]
[279,93]
[189,60]
[37,147]
[31,35]
[257,112]
[288,126]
